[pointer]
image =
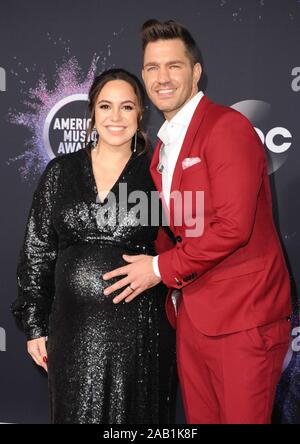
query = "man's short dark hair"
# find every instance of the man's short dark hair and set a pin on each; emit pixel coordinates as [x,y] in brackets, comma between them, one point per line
[153,30]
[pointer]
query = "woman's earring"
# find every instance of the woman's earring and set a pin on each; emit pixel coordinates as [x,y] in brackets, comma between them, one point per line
[135,142]
[95,139]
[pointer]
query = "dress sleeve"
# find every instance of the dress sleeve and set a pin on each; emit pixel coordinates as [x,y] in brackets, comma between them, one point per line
[37,258]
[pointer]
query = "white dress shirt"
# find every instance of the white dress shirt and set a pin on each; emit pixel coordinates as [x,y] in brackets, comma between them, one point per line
[172,134]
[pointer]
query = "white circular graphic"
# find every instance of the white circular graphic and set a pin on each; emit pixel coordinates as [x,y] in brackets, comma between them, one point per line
[51,114]
[277,139]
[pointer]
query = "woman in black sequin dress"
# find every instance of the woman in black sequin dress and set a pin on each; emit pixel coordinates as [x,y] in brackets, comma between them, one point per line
[107,363]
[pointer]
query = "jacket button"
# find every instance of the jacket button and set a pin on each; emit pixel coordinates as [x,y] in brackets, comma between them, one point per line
[178,239]
[178,282]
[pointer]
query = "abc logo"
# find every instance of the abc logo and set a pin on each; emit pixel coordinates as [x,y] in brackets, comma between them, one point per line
[276,140]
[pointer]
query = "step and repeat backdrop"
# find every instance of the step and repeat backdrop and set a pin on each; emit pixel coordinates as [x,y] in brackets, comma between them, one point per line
[50,53]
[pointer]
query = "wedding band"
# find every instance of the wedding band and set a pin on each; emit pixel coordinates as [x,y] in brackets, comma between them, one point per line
[132,289]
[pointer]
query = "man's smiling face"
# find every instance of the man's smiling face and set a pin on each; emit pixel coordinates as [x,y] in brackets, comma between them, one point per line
[169,77]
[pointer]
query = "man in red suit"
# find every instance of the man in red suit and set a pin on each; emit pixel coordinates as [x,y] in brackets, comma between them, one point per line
[229,285]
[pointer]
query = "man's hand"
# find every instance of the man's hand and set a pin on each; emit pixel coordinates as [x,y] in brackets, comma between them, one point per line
[139,276]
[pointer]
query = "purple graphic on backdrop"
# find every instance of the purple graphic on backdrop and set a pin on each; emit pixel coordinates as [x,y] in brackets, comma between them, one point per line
[57,117]
[41,101]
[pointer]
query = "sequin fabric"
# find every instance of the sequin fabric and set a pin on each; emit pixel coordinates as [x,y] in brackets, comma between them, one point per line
[107,363]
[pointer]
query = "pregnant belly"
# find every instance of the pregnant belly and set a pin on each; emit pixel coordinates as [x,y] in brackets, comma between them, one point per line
[81,315]
[79,270]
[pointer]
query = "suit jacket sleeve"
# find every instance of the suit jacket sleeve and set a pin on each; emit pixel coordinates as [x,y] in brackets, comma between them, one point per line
[35,271]
[235,160]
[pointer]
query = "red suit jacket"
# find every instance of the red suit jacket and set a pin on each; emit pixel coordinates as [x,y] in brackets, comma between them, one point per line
[233,276]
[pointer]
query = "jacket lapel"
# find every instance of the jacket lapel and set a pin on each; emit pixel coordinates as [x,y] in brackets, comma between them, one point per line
[188,140]
[184,152]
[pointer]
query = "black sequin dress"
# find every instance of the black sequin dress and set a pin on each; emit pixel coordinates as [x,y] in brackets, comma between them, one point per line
[107,363]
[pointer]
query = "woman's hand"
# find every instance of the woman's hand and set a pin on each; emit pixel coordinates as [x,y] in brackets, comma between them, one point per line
[37,350]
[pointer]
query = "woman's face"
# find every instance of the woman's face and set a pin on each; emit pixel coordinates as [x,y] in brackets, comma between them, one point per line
[116,113]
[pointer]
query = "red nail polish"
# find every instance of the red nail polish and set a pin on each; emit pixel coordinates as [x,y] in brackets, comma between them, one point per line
[45,359]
